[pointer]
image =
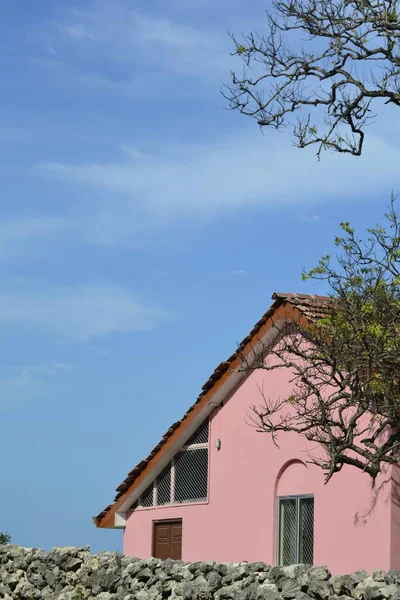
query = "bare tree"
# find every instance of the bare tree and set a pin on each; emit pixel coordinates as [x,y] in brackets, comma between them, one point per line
[350,59]
[345,367]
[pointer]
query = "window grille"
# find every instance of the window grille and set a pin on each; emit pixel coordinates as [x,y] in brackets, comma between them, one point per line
[200,436]
[288,531]
[296,530]
[146,498]
[134,505]
[191,475]
[163,486]
[306,546]
[185,478]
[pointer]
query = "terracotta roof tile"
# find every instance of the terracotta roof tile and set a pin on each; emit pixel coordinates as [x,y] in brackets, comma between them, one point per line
[313,307]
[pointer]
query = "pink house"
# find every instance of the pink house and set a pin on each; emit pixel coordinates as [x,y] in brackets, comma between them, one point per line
[214,488]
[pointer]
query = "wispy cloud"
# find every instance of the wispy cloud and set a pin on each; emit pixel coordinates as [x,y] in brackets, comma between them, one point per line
[236,273]
[172,35]
[313,218]
[134,152]
[155,42]
[19,383]
[96,350]
[117,48]
[120,24]
[241,172]
[82,313]
[49,368]
[22,235]
[77,31]
[164,278]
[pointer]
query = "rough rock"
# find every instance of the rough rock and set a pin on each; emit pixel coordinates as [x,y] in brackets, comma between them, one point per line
[76,574]
[368,589]
[267,591]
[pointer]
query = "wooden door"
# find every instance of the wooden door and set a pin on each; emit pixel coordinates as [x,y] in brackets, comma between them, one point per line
[167,540]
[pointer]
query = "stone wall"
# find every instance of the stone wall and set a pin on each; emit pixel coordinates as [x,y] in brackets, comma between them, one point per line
[75,574]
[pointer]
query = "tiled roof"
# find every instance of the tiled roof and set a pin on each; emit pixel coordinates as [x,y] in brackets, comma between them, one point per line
[312,307]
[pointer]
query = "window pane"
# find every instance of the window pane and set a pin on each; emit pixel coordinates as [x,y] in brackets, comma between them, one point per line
[164,486]
[200,436]
[191,475]
[147,497]
[306,546]
[287,531]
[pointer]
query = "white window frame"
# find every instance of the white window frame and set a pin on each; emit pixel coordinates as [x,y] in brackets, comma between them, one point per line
[185,448]
[298,498]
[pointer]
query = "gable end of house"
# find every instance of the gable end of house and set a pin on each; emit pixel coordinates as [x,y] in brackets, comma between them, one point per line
[285,308]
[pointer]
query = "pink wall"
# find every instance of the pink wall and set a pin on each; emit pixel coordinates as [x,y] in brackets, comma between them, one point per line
[394,478]
[248,472]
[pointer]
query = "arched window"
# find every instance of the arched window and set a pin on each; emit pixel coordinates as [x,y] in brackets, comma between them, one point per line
[295,518]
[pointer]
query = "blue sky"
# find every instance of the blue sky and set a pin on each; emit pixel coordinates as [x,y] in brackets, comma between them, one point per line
[143,230]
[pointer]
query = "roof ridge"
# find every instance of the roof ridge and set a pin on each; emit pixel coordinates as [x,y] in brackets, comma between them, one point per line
[287,295]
